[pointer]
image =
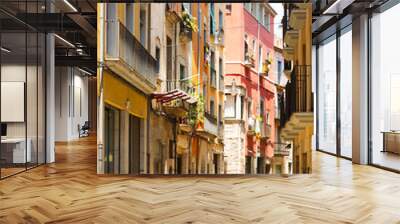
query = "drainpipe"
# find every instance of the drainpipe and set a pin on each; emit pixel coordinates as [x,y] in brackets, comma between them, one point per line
[176,86]
[258,86]
[100,97]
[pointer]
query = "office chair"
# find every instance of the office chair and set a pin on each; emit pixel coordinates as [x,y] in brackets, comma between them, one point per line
[84,130]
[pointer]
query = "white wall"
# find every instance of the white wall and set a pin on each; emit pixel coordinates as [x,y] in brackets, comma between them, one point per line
[71,102]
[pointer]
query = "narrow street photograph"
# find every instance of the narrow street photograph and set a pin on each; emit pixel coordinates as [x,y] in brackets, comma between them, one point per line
[279,111]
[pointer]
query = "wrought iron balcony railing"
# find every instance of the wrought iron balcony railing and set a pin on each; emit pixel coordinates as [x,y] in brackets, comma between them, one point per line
[298,93]
[281,149]
[183,85]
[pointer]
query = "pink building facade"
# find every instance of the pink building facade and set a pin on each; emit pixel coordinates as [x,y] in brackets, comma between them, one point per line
[249,88]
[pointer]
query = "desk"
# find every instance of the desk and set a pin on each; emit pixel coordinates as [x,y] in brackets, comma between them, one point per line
[391,141]
[13,150]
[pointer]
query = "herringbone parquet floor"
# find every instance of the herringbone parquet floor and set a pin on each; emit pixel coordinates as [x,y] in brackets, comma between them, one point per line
[69,191]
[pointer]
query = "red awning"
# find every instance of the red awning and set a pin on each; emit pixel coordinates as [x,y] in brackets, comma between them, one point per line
[174,95]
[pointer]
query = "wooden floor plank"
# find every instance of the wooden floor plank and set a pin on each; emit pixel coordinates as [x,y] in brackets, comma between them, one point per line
[69,191]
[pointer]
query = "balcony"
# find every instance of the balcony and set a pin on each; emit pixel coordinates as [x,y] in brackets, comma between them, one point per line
[210,125]
[177,99]
[292,38]
[281,149]
[298,18]
[251,126]
[249,60]
[266,131]
[183,85]
[288,53]
[297,109]
[213,78]
[127,57]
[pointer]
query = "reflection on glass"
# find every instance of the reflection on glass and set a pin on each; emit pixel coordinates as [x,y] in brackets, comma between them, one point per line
[14,153]
[327,95]
[385,86]
[22,90]
[346,93]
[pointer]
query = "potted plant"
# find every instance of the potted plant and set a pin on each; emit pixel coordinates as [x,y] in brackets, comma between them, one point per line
[188,21]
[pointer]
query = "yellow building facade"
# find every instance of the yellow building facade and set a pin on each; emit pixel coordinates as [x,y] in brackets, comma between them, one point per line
[298,128]
[127,75]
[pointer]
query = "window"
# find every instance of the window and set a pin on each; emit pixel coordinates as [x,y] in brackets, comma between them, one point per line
[249,108]
[221,68]
[212,109]
[220,20]
[247,6]
[264,19]
[169,59]
[230,106]
[158,58]
[129,17]
[142,24]
[279,71]
[253,9]
[346,75]
[182,74]
[267,21]
[246,47]
[241,107]
[327,95]
[220,113]
[112,30]
[260,13]
[262,107]
[221,73]
[385,88]
[187,7]
[212,19]
[228,8]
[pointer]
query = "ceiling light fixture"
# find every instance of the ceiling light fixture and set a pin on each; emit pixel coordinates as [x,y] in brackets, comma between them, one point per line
[70,5]
[5,50]
[64,40]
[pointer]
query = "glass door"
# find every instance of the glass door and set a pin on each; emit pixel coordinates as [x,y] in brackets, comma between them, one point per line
[112,136]
[134,144]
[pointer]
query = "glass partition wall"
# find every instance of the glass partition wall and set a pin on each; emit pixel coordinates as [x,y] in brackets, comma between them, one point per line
[22,77]
[385,89]
[334,94]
